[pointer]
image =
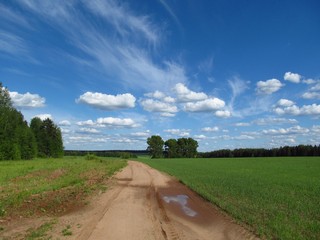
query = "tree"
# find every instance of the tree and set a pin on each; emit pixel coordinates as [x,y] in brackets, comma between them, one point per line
[171,148]
[48,137]
[16,139]
[187,147]
[155,146]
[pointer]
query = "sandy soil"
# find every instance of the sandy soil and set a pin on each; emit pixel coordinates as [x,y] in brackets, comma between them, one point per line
[142,203]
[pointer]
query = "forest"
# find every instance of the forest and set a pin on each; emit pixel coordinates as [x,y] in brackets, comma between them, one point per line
[19,140]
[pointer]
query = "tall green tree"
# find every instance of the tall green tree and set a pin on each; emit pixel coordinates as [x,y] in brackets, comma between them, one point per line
[48,137]
[16,139]
[171,148]
[155,146]
[187,147]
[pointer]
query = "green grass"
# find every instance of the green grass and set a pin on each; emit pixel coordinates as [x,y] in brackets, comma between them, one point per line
[50,185]
[40,232]
[279,198]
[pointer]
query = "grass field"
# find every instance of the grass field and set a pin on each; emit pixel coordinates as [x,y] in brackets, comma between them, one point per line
[279,198]
[51,186]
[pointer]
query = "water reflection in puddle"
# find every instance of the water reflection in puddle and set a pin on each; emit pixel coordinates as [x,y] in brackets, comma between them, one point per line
[182,200]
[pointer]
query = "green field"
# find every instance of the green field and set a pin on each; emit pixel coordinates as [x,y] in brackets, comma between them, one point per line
[279,198]
[51,186]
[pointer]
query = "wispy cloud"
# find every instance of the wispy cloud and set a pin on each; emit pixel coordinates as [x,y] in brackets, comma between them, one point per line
[12,44]
[118,51]
[126,23]
[16,18]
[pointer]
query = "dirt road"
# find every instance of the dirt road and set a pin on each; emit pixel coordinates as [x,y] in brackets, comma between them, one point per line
[146,204]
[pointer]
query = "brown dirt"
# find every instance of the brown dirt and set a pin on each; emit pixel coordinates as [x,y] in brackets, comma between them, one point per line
[142,203]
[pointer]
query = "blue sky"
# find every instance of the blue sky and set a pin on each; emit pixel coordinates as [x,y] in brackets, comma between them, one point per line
[112,73]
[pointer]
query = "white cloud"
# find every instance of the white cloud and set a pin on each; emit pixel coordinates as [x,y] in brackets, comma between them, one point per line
[107,102]
[311,95]
[141,134]
[210,129]
[243,137]
[284,131]
[126,23]
[285,103]
[309,81]
[272,121]
[208,105]
[88,130]
[27,100]
[269,86]
[157,94]
[316,128]
[200,137]
[44,116]
[167,114]
[64,123]
[292,77]
[63,130]
[86,123]
[160,96]
[313,109]
[186,95]
[121,52]
[151,105]
[117,122]
[223,113]
[179,132]
[242,124]
[315,88]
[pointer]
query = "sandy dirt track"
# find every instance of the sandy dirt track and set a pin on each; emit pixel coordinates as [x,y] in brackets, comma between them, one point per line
[146,204]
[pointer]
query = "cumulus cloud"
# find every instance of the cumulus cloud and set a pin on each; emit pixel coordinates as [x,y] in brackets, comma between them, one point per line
[210,129]
[186,95]
[207,105]
[44,116]
[200,137]
[152,105]
[179,132]
[309,81]
[285,103]
[223,113]
[27,100]
[117,122]
[284,131]
[269,86]
[86,123]
[64,123]
[313,109]
[107,102]
[313,93]
[88,130]
[292,77]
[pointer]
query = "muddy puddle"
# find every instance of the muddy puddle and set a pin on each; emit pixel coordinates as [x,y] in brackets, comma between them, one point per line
[181,200]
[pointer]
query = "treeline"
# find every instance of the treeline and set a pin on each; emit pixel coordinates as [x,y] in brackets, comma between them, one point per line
[172,148]
[286,151]
[106,153]
[18,140]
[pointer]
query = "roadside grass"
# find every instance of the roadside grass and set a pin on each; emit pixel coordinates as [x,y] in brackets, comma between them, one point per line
[40,232]
[277,197]
[51,186]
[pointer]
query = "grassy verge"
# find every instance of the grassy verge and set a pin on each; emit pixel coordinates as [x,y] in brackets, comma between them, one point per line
[51,186]
[277,197]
